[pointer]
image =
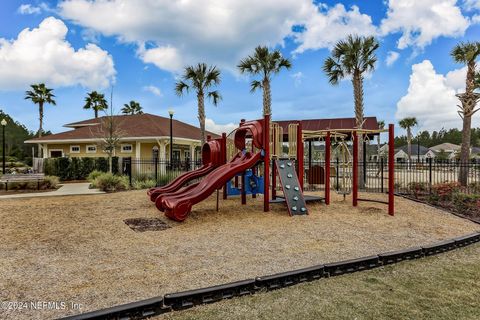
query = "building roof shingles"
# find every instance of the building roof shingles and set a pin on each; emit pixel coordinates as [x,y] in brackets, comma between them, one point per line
[129,126]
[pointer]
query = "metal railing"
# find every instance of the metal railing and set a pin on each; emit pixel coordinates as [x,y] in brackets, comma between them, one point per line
[408,176]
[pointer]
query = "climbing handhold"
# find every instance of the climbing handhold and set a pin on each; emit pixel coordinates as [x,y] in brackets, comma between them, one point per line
[287,186]
[289,164]
[289,175]
[296,189]
[282,166]
[294,208]
[303,209]
[295,198]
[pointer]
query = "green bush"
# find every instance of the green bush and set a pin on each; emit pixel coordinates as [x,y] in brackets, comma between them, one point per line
[77,168]
[94,174]
[49,182]
[144,184]
[418,188]
[466,202]
[110,183]
[445,191]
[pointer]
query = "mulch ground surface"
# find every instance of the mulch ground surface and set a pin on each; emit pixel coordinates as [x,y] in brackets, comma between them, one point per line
[80,251]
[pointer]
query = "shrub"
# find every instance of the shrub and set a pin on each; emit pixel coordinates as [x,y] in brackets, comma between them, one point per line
[94,174]
[50,182]
[110,183]
[144,184]
[417,188]
[445,191]
[466,202]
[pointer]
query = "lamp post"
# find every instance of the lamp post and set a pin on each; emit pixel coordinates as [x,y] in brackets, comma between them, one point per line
[4,124]
[171,112]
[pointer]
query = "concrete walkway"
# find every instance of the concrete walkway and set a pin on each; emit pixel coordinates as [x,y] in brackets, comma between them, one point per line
[69,189]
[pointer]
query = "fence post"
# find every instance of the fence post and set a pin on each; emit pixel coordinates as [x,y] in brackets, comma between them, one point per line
[381,173]
[127,168]
[156,169]
[430,174]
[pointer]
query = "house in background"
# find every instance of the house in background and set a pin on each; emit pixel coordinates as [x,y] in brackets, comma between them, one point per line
[401,154]
[141,136]
[449,151]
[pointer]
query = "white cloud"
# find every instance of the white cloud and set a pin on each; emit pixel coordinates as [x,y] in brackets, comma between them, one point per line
[43,55]
[218,32]
[431,98]
[297,78]
[456,79]
[155,90]
[470,5]
[211,126]
[166,58]
[392,56]
[420,22]
[28,9]
[324,27]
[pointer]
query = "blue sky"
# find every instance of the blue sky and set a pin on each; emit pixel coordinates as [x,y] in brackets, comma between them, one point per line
[139,47]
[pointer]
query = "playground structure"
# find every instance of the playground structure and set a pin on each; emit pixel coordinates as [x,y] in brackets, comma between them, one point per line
[240,155]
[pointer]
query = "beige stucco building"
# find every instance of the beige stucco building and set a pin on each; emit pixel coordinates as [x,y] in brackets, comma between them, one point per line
[140,136]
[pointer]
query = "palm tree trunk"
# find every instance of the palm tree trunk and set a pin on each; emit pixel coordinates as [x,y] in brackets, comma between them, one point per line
[201,116]
[358,97]
[96,112]
[409,144]
[469,100]
[267,97]
[465,150]
[40,129]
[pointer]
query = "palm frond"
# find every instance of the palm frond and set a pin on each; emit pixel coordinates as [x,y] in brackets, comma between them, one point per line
[254,85]
[334,70]
[215,96]
[181,87]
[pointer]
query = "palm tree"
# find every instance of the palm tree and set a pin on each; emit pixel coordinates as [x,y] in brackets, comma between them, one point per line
[95,101]
[200,78]
[467,53]
[132,108]
[407,124]
[40,95]
[381,126]
[264,63]
[353,57]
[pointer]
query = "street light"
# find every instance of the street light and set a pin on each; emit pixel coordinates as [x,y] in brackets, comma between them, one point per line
[4,124]
[171,112]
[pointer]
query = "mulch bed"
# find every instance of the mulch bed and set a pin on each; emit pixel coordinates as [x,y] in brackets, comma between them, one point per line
[146,224]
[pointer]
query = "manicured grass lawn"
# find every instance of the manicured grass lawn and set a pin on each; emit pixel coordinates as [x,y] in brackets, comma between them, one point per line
[440,287]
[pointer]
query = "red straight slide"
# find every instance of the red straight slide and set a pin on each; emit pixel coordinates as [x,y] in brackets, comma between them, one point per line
[178,205]
[180,181]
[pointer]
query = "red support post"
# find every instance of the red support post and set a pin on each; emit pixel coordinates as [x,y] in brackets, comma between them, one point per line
[391,170]
[327,168]
[355,169]
[300,155]
[266,161]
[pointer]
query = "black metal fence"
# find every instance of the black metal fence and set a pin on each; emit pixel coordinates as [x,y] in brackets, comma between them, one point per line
[160,170]
[408,176]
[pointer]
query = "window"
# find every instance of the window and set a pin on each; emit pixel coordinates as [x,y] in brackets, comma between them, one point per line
[92,149]
[56,153]
[74,149]
[127,148]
